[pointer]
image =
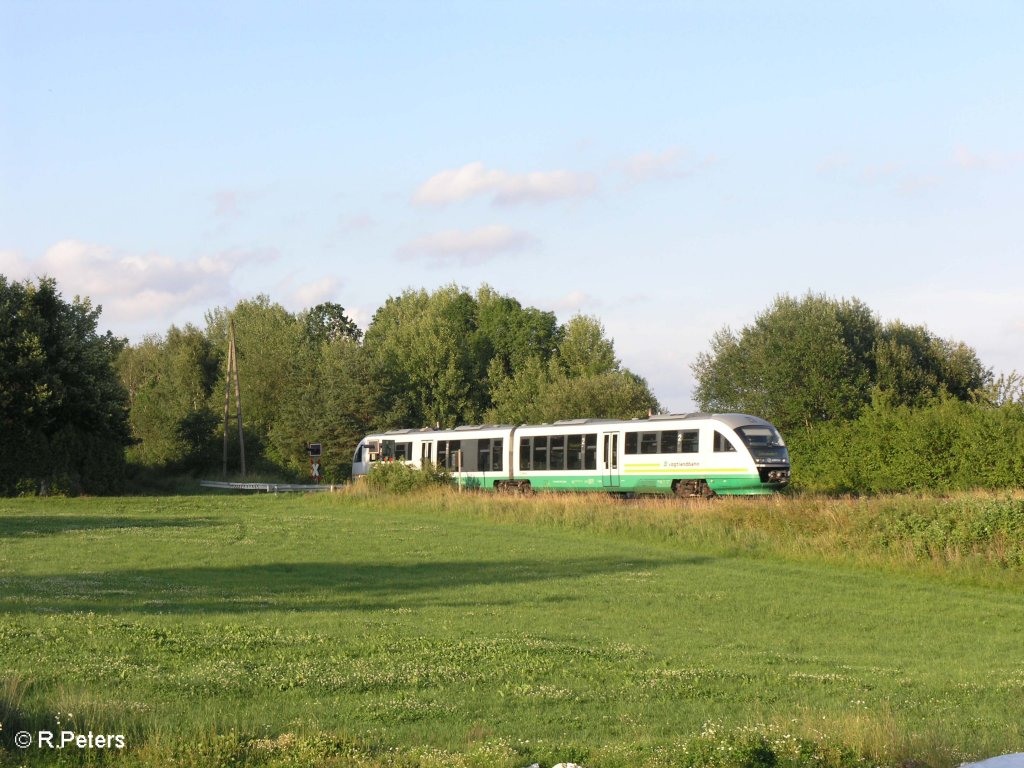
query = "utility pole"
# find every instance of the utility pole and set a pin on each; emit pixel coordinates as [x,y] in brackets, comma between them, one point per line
[232,377]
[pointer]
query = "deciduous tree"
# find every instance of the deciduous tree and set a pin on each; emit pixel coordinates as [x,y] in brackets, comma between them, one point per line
[818,359]
[63,410]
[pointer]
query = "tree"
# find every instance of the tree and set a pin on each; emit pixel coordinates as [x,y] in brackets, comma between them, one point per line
[818,359]
[170,382]
[511,334]
[581,378]
[583,348]
[425,352]
[328,322]
[339,404]
[63,410]
[542,392]
[275,360]
[914,366]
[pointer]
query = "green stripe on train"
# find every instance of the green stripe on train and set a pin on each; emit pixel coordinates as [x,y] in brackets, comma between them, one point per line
[732,484]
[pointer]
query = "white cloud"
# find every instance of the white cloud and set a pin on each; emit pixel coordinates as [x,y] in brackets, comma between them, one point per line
[133,287]
[357,223]
[467,248]
[672,163]
[911,184]
[571,303]
[881,172]
[541,186]
[892,175]
[994,161]
[832,164]
[504,188]
[13,266]
[315,292]
[225,204]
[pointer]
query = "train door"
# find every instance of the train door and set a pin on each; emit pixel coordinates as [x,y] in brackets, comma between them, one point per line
[610,474]
[426,453]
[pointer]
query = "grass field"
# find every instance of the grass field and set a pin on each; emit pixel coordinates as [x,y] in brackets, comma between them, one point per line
[447,629]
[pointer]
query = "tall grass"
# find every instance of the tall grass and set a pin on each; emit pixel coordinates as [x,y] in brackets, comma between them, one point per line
[973,537]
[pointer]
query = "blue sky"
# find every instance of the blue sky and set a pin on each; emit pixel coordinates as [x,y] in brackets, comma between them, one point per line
[667,167]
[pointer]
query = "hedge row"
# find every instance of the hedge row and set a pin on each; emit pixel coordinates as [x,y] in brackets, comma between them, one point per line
[946,446]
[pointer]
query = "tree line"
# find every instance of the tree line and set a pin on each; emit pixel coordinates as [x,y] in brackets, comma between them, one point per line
[868,406]
[440,358]
[81,411]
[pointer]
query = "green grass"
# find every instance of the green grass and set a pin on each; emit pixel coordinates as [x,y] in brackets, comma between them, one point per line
[448,629]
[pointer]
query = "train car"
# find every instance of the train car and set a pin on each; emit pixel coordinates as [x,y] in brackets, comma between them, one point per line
[683,454]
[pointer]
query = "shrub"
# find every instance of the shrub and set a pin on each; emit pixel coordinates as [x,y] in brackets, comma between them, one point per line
[947,445]
[397,477]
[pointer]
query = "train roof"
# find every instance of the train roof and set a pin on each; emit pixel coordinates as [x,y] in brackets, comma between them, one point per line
[732,420]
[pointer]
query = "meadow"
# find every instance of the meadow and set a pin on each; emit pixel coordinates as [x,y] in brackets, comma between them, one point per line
[437,629]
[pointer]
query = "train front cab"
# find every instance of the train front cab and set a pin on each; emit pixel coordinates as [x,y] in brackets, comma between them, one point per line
[703,455]
[765,454]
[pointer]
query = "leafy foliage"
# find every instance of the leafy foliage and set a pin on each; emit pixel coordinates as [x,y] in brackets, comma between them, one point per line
[170,382]
[857,399]
[426,352]
[63,411]
[816,359]
[328,322]
[272,355]
[336,405]
[945,445]
[539,393]
[584,349]
[398,477]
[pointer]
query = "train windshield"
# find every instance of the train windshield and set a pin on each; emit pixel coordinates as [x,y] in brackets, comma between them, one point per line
[765,443]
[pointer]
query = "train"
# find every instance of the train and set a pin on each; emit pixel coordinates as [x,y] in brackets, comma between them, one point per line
[695,454]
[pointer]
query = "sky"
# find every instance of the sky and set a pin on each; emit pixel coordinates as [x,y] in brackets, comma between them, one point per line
[668,167]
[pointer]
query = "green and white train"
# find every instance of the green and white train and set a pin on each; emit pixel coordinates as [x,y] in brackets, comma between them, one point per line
[693,454]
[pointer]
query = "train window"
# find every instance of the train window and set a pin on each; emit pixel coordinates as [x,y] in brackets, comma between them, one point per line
[574,452]
[630,442]
[670,442]
[590,452]
[524,453]
[497,448]
[483,455]
[722,444]
[403,451]
[540,453]
[448,453]
[648,442]
[556,459]
[690,441]
[764,442]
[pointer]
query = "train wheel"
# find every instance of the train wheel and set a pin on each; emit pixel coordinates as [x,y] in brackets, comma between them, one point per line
[692,489]
[514,487]
[686,489]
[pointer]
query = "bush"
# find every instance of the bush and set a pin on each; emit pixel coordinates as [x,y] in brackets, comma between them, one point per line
[948,445]
[397,477]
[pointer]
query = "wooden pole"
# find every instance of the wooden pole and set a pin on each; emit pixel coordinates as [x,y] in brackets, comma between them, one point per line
[232,374]
[227,398]
[238,400]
